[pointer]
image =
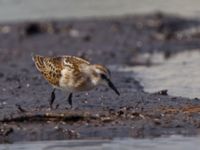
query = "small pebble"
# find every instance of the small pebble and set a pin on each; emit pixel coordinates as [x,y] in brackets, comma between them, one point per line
[5,29]
[27,85]
[74,33]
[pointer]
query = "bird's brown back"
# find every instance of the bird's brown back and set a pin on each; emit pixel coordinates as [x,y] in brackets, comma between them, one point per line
[50,68]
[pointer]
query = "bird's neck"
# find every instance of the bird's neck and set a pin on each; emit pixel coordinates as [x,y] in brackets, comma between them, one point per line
[91,74]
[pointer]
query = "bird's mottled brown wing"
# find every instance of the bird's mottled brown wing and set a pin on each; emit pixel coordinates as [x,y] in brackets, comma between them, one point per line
[50,68]
[73,76]
[74,64]
[75,60]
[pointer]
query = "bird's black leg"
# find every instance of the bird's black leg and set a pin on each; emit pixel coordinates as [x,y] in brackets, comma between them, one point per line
[52,98]
[70,99]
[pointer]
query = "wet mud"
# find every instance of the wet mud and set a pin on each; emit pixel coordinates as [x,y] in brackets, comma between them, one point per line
[100,113]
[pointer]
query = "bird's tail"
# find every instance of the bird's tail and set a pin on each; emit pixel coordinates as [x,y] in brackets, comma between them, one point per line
[39,62]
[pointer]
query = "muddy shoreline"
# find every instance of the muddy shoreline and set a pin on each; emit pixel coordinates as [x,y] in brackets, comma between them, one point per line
[24,113]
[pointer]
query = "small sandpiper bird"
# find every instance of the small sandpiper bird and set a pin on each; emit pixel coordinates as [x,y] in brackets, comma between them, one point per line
[72,74]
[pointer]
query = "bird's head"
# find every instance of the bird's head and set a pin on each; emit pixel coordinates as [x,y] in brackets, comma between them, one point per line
[101,76]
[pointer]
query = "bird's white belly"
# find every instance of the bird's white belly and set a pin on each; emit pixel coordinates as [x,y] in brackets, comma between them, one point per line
[75,87]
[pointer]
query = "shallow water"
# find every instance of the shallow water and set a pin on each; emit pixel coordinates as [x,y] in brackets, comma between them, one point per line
[180,74]
[164,143]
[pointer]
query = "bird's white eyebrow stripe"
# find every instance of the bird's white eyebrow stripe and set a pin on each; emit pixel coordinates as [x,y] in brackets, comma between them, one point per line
[68,64]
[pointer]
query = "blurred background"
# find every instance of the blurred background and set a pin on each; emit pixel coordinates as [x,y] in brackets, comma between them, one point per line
[15,10]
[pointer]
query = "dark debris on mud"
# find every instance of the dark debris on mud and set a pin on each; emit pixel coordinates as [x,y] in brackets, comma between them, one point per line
[24,113]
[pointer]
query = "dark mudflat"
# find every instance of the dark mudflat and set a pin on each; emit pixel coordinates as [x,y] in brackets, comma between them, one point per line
[100,113]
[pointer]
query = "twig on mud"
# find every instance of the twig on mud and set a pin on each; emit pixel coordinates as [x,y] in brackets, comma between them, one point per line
[72,117]
[142,116]
[20,108]
[162,92]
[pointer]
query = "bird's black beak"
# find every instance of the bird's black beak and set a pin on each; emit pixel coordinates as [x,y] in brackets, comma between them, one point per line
[110,84]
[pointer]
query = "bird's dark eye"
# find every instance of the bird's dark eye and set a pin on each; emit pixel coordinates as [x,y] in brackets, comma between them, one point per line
[103,76]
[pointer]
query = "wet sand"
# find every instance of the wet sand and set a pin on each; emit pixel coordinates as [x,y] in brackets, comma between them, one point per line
[99,114]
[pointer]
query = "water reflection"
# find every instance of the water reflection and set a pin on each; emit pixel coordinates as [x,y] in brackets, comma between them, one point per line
[180,74]
[164,143]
